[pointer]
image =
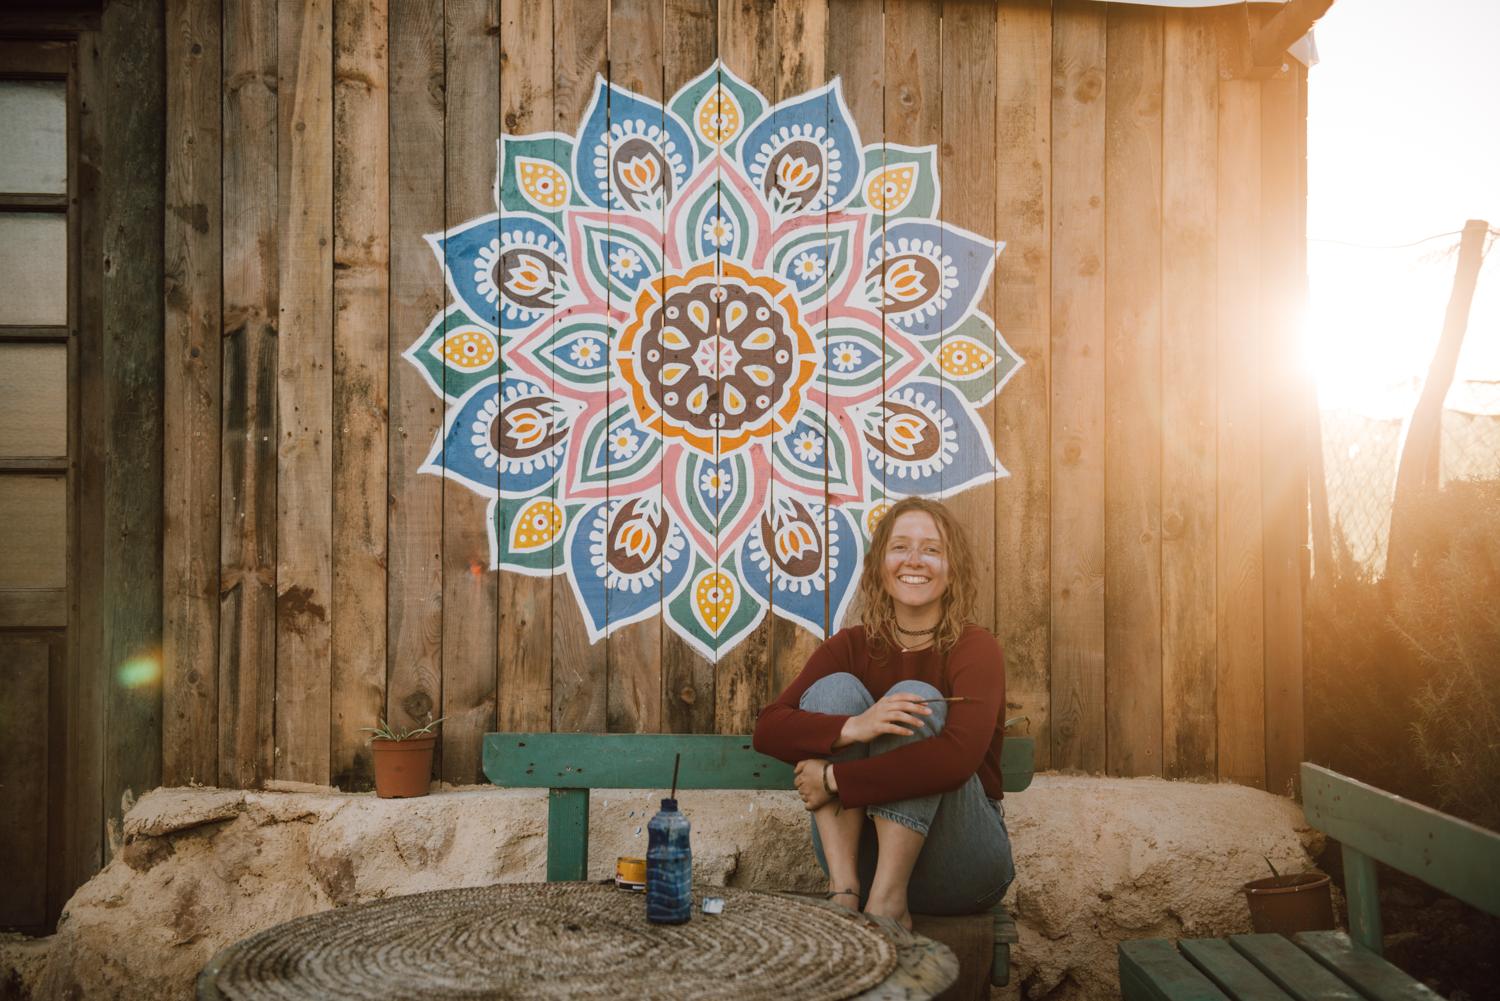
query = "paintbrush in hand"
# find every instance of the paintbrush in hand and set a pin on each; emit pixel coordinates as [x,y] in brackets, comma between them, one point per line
[955,698]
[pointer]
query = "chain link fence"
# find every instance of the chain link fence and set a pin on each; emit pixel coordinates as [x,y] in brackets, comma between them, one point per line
[1361,454]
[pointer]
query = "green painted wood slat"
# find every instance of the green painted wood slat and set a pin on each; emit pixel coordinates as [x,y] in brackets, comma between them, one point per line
[1230,971]
[1368,973]
[644,761]
[1151,970]
[1293,970]
[1452,855]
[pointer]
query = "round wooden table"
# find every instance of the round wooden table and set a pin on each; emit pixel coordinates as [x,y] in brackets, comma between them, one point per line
[579,940]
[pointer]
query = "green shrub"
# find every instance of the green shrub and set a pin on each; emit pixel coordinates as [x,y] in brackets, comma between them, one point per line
[1448,614]
[1403,673]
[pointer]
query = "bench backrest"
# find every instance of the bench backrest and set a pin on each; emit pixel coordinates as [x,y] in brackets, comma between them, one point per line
[570,764]
[1457,857]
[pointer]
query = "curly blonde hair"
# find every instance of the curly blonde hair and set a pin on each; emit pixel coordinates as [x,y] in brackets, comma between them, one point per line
[877,612]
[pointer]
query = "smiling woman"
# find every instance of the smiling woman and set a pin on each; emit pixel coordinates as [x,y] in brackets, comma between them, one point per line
[922,760]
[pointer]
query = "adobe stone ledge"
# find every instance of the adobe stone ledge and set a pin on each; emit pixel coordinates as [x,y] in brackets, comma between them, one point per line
[1099,860]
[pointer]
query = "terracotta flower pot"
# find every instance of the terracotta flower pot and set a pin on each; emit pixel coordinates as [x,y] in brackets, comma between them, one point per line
[1291,903]
[403,768]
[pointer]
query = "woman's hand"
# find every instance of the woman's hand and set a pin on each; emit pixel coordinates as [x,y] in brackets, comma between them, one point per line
[899,713]
[809,777]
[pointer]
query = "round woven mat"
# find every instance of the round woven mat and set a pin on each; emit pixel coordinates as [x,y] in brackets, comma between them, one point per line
[558,940]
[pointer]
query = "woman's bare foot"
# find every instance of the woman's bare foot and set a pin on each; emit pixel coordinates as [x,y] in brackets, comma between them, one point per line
[847,899]
[896,910]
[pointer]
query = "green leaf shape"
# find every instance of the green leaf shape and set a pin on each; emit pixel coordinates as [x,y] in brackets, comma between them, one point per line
[601,242]
[980,386]
[870,347]
[549,147]
[597,465]
[533,562]
[685,106]
[925,193]
[449,380]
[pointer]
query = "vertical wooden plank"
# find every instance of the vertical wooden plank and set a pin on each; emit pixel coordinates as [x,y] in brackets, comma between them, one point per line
[524,683]
[801,54]
[470,585]
[247,468]
[579,670]
[743,681]
[361,373]
[414,586]
[967,76]
[24,790]
[800,30]
[1132,401]
[132,193]
[1286,401]
[1239,619]
[304,389]
[1022,176]
[55,871]
[1190,121]
[1078,275]
[190,556]
[687,677]
[83,824]
[636,35]
[913,114]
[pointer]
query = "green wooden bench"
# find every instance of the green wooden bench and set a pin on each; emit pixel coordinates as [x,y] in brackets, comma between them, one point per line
[1371,826]
[568,765]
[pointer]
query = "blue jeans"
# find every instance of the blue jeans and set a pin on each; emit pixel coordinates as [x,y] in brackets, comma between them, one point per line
[965,865]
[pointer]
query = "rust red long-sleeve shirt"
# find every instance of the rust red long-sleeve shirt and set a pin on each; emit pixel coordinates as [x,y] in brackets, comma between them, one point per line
[970,741]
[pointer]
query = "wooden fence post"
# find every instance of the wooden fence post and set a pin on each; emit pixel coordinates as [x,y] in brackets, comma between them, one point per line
[1418,470]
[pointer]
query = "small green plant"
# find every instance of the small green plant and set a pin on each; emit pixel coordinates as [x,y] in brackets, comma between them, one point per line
[386,732]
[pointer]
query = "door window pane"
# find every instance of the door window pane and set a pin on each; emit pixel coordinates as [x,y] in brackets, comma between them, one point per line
[34,268]
[34,155]
[33,526]
[33,400]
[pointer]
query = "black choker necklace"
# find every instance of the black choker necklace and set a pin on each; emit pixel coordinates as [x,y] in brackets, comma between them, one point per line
[915,632]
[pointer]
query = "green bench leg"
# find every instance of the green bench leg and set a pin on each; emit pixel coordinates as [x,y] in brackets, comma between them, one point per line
[567,835]
[1362,891]
[1005,935]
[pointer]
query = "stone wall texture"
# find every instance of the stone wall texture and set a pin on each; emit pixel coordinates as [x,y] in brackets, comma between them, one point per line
[1098,860]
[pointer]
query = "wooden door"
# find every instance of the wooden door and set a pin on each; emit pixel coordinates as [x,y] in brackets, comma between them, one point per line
[38,272]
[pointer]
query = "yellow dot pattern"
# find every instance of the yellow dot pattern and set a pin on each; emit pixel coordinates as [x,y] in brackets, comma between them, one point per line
[538,524]
[889,189]
[873,516]
[543,183]
[962,357]
[714,595]
[718,119]
[468,348]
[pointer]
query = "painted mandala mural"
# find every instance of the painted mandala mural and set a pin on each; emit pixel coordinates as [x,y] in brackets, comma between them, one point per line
[731,334]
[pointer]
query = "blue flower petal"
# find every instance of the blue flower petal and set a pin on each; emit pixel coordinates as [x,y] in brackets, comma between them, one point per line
[927,276]
[630,154]
[923,438]
[804,155]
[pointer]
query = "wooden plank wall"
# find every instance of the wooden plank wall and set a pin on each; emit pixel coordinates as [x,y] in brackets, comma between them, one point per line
[1142,563]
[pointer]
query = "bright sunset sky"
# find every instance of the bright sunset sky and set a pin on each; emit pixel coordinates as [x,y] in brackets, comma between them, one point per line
[1403,143]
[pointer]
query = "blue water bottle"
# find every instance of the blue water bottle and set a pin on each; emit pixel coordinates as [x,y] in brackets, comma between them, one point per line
[669,867]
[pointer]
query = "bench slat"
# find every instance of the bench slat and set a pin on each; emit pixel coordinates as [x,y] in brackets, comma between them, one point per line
[1367,972]
[1151,970]
[644,761]
[1230,971]
[1452,855]
[1293,970]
